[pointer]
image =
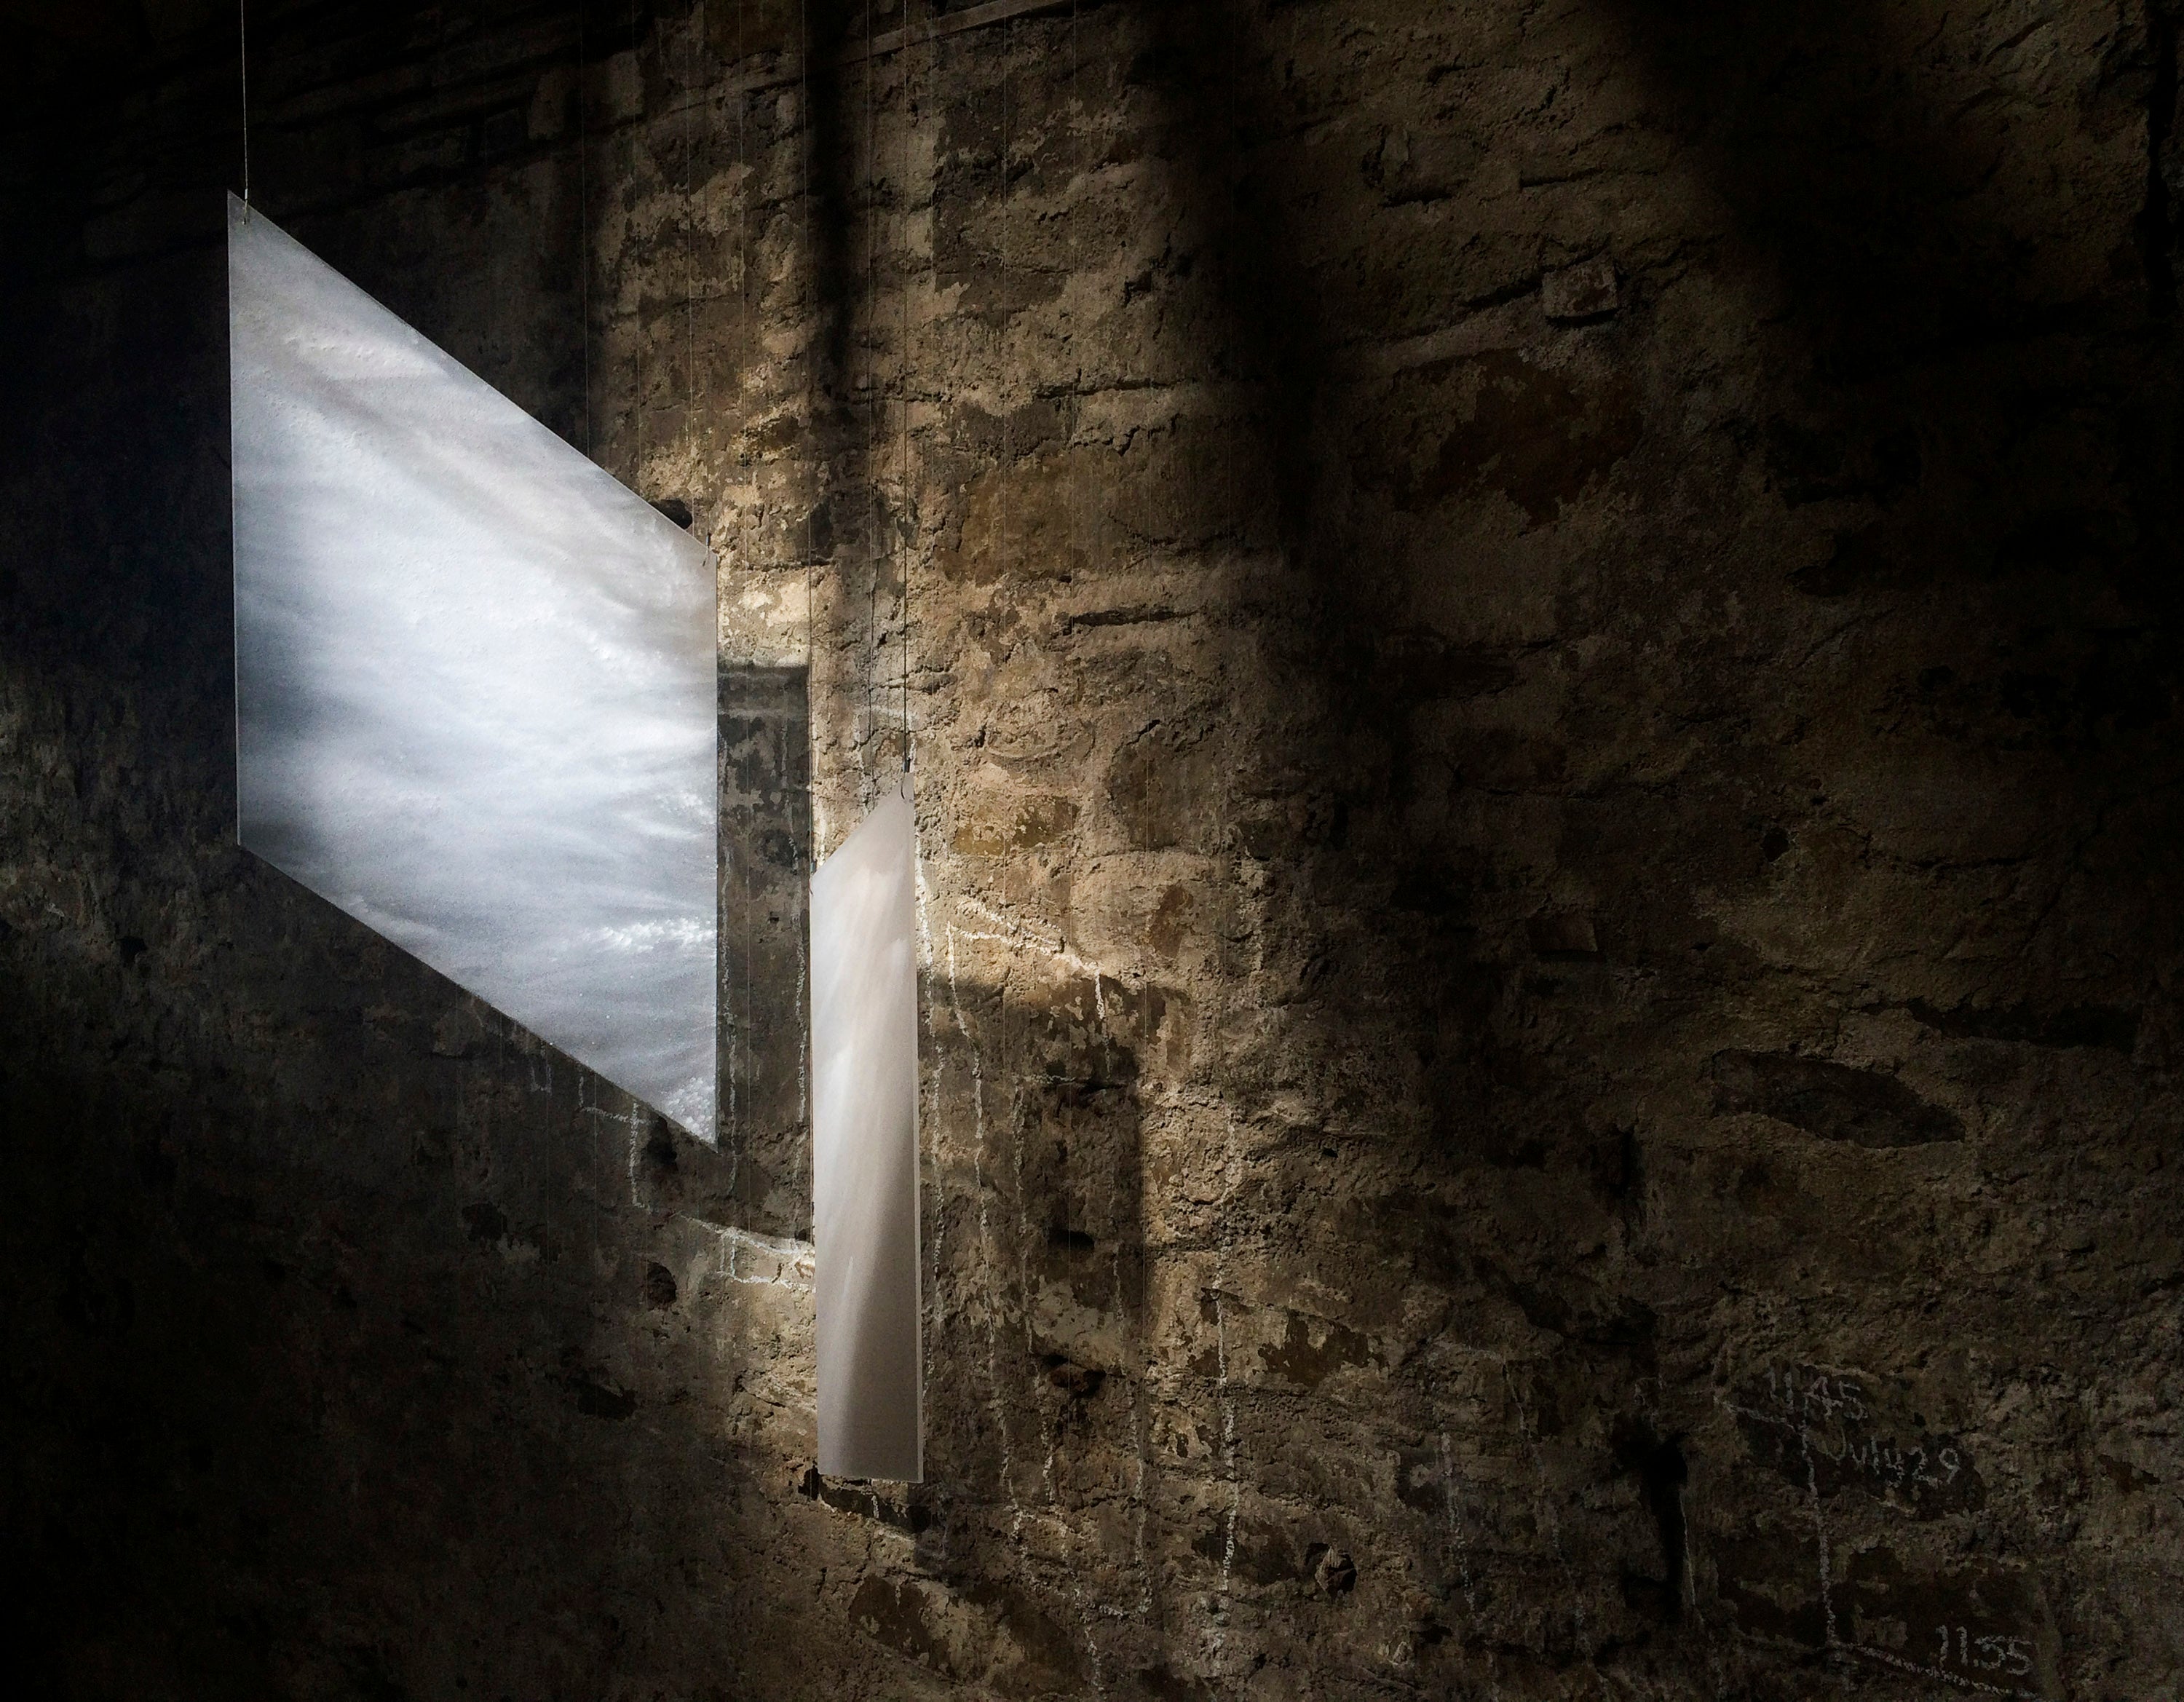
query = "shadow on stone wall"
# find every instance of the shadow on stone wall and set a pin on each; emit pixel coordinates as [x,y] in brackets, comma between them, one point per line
[1924,572]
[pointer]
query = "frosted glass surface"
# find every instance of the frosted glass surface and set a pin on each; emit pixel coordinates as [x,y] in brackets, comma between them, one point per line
[864,1149]
[475,694]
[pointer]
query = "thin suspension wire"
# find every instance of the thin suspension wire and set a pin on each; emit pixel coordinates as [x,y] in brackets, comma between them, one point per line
[743,173]
[641,139]
[584,224]
[689,237]
[811,353]
[909,365]
[872,506]
[242,53]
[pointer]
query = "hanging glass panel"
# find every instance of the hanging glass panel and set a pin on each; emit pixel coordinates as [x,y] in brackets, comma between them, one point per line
[475,691]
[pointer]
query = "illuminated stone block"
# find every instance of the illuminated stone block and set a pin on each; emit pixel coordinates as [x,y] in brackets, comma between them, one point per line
[864,1149]
[475,688]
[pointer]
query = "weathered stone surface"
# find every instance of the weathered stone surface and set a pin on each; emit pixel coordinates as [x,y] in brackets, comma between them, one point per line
[1551,933]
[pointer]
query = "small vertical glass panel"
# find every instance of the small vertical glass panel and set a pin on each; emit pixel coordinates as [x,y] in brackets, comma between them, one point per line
[864,1149]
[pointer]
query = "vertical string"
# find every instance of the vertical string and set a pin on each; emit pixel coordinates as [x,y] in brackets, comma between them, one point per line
[743,163]
[638,139]
[874,516]
[689,236]
[810,354]
[1001,263]
[584,225]
[243,54]
[1225,1227]
[902,402]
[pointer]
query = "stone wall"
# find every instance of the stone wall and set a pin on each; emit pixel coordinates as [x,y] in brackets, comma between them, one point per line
[1538,643]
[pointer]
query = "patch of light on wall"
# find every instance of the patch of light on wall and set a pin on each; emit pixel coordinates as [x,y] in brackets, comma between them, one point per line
[476,688]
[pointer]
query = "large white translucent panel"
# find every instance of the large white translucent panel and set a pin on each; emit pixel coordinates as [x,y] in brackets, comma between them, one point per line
[475,691]
[864,1149]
